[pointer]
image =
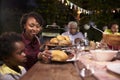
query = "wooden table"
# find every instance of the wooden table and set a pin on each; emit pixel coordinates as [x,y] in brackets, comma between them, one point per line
[53,71]
[100,67]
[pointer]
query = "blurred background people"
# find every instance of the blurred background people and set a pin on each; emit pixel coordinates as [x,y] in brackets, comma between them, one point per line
[105,27]
[114,27]
[73,32]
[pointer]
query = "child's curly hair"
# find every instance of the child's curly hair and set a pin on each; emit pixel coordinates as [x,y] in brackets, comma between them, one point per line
[7,41]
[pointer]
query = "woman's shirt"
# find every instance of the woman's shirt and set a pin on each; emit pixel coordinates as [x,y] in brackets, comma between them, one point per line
[7,73]
[32,48]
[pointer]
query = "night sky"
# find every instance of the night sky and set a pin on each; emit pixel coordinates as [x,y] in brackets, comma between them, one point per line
[20,4]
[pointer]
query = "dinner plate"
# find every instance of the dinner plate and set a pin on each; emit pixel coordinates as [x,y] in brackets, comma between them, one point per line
[58,45]
[114,67]
[73,59]
[68,60]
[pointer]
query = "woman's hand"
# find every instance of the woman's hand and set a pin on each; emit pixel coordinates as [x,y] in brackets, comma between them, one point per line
[45,56]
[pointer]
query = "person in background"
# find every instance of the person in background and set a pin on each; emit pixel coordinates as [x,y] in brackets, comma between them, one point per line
[13,56]
[113,29]
[73,33]
[105,27]
[31,24]
[65,27]
[54,25]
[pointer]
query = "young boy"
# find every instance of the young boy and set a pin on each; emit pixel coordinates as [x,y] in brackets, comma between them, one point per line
[12,55]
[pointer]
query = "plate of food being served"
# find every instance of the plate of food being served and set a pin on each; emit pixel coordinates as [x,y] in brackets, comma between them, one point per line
[62,56]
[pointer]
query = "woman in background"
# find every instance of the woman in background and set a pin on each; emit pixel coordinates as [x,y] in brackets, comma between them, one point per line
[114,29]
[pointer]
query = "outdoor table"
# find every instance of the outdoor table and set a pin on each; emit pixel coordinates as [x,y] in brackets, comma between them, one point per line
[100,67]
[68,70]
[53,71]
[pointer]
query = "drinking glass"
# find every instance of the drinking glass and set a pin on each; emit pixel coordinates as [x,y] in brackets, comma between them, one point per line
[87,71]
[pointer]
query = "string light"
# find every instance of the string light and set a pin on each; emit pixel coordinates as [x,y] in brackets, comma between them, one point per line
[78,12]
[62,1]
[84,11]
[113,11]
[66,4]
[72,5]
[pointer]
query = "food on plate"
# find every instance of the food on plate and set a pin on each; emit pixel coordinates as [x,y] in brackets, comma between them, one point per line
[66,38]
[54,41]
[61,40]
[58,55]
[60,37]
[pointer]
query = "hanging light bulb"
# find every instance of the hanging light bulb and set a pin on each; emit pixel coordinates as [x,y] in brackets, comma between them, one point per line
[78,12]
[68,2]
[62,1]
[75,7]
[71,5]
[65,3]
[113,11]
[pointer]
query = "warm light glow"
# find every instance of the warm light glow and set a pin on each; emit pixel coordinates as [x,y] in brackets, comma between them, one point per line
[78,12]
[75,7]
[66,4]
[113,11]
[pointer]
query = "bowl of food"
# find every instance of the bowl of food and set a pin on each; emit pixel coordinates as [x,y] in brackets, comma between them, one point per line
[103,55]
[112,39]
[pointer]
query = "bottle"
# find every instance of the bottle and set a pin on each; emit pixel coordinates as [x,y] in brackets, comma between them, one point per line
[86,42]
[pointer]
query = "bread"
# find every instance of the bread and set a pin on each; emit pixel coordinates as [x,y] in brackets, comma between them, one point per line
[63,42]
[58,55]
[54,41]
[60,37]
[67,38]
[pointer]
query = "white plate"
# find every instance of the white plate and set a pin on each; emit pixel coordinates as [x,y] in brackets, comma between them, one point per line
[114,67]
[73,59]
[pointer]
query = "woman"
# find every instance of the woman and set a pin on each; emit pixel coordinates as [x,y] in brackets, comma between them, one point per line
[32,25]
[12,55]
[114,29]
